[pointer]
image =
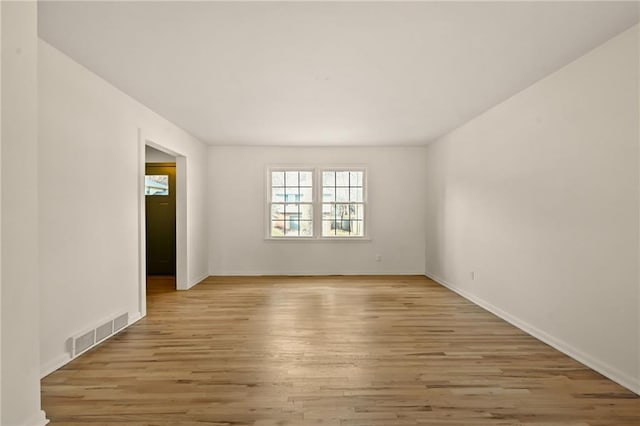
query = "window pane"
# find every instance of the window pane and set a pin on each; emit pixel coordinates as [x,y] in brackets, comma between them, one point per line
[291,178]
[357,211]
[306,179]
[292,220]
[342,194]
[342,178]
[292,194]
[341,227]
[306,195]
[277,178]
[328,228]
[357,228]
[277,228]
[356,194]
[328,194]
[306,211]
[277,195]
[291,209]
[277,220]
[291,227]
[356,178]
[342,211]
[156,185]
[306,228]
[277,211]
[326,211]
[328,178]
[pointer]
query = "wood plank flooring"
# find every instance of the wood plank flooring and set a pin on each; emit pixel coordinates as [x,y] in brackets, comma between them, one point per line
[340,351]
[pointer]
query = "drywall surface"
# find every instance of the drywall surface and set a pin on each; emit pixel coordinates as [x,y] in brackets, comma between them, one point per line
[152,155]
[396,209]
[89,162]
[20,326]
[538,198]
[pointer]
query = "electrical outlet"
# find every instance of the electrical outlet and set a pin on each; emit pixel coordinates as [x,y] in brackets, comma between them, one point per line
[378,258]
[473,275]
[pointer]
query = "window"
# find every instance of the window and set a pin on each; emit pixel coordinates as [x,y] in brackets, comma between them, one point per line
[292,203]
[342,203]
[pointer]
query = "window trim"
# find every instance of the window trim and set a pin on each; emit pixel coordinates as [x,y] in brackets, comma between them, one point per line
[317,202]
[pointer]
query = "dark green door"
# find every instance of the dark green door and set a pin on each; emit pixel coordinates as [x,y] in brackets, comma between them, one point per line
[160,198]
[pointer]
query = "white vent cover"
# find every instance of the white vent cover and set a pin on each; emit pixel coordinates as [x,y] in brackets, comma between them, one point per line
[87,340]
[84,342]
[104,331]
[120,322]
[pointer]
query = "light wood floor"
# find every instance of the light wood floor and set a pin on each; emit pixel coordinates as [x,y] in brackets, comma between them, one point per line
[328,351]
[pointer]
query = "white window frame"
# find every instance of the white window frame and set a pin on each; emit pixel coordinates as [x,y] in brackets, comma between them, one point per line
[317,202]
[364,202]
[270,202]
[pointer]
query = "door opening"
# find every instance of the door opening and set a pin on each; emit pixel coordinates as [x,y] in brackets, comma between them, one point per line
[153,151]
[160,221]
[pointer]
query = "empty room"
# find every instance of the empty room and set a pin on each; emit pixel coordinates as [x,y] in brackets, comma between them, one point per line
[320,213]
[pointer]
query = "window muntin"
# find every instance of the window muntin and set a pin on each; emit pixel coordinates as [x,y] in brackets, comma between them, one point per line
[343,203]
[291,203]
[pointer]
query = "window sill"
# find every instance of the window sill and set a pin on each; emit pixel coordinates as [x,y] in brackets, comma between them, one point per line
[319,239]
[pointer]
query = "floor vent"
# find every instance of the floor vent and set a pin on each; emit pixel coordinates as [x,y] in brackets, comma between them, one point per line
[104,331]
[120,322]
[87,340]
[84,342]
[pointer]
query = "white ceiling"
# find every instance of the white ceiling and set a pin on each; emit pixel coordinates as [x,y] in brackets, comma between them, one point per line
[326,73]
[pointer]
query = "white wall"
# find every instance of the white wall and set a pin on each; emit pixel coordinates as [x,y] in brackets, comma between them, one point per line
[539,197]
[20,346]
[237,221]
[89,163]
[152,155]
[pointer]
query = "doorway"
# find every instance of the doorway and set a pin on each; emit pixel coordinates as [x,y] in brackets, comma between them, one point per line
[153,151]
[160,221]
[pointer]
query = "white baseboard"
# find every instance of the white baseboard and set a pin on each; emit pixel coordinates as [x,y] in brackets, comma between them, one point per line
[54,364]
[38,419]
[133,318]
[311,274]
[601,367]
[198,280]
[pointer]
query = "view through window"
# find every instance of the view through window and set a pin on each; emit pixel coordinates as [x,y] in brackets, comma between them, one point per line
[292,205]
[156,185]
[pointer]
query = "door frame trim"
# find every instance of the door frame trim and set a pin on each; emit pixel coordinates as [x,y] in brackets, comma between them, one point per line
[181,218]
